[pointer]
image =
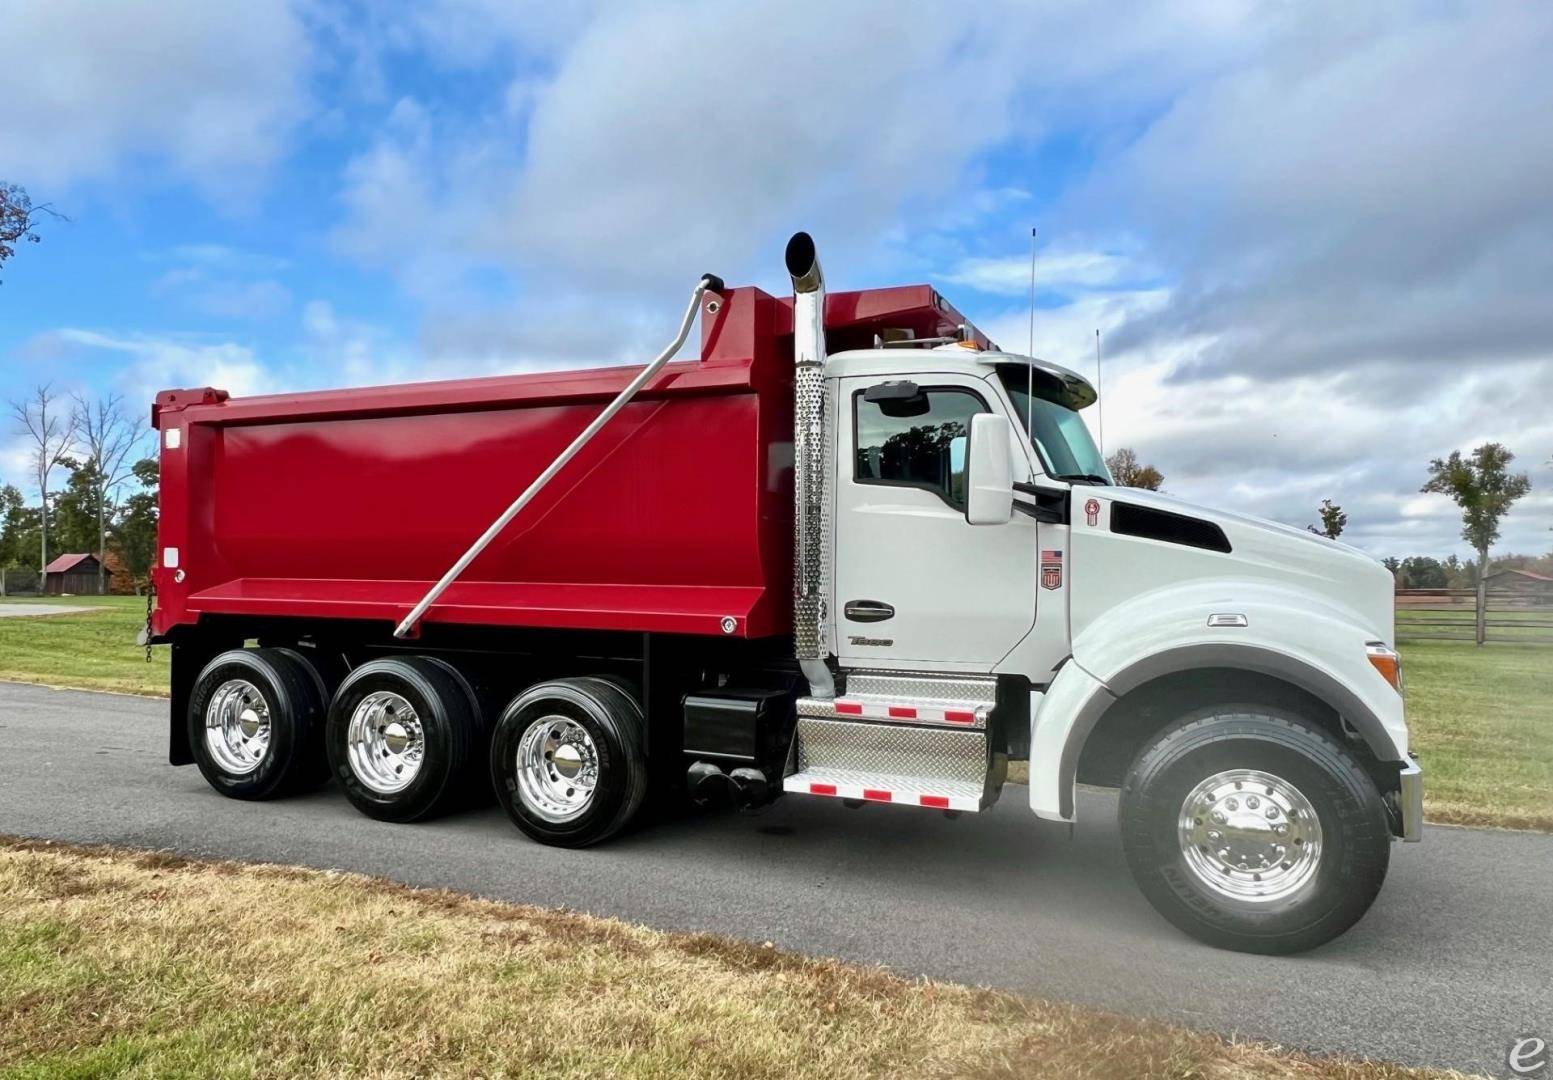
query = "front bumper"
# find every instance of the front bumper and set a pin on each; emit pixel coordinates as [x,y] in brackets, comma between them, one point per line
[1410,800]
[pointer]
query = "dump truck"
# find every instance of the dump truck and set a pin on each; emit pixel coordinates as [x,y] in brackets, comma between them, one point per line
[854,551]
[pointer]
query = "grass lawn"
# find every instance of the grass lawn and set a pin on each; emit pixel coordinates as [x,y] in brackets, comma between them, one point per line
[1482,723]
[93,649]
[118,963]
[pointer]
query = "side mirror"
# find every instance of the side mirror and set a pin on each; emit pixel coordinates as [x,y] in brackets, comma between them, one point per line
[989,478]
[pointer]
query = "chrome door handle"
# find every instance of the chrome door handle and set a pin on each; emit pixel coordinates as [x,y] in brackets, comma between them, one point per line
[868,610]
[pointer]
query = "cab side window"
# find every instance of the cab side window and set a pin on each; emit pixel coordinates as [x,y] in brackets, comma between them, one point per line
[918,443]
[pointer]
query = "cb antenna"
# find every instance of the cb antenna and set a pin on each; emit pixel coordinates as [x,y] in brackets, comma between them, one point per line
[1030,369]
[1032,292]
[1099,395]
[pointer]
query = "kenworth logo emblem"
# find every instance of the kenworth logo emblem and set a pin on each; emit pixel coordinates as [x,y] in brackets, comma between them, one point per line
[1051,569]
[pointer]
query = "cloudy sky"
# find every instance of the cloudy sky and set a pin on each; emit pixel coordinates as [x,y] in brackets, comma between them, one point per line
[1317,239]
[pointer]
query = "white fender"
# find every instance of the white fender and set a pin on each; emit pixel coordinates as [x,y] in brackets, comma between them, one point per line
[1299,636]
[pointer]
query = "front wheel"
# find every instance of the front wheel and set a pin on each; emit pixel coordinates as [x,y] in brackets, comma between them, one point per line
[1253,829]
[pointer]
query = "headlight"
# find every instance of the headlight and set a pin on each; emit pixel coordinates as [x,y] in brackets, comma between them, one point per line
[1387,661]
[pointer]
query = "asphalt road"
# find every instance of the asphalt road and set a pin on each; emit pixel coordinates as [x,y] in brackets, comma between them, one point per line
[1454,960]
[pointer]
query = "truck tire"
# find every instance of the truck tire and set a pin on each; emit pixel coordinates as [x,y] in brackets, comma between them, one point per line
[567,761]
[404,739]
[255,723]
[1253,829]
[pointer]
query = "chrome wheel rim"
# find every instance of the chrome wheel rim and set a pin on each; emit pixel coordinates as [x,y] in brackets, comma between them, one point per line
[237,726]
[557,768]
[385,742]
[1249,835]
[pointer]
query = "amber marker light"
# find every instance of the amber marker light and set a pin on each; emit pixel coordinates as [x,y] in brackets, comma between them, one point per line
[1387,661]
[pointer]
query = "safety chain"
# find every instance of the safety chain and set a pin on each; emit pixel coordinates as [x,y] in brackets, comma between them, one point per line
[150,592]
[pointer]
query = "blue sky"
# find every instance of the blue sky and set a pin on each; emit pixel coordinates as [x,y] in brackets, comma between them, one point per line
[1315,237]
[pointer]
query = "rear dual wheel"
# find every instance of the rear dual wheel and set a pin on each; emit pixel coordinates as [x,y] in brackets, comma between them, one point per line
[568,761]
[406,740]
[255,722]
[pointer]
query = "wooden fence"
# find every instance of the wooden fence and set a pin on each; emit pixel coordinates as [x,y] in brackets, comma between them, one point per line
[1451,615]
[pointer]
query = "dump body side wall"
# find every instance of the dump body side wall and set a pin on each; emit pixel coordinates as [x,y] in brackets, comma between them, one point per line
[350,504]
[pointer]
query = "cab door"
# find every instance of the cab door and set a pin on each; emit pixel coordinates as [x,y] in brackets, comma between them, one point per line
[917,586]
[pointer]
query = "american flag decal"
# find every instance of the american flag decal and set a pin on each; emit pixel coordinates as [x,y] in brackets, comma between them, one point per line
[1051,569]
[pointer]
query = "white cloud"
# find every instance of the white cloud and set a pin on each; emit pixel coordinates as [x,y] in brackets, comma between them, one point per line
[669,138]
[161,362]
[1061,271]
[1375,196]
[210,92]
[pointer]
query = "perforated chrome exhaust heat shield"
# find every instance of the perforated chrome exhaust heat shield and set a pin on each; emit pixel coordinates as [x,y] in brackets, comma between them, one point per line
[811,463]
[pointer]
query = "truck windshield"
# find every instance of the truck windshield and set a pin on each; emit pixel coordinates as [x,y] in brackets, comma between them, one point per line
[1057,432]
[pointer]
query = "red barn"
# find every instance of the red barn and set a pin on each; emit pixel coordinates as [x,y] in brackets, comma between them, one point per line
[72,574]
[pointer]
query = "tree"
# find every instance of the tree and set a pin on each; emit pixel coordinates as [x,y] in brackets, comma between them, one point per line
[51,434]
[1457,576]
[1127,471]
[1333,520]
[1485,489]
[73,510]
[1390,562]
[15,526]
[19,219]
[136,529]
[108,438]
[1423,572]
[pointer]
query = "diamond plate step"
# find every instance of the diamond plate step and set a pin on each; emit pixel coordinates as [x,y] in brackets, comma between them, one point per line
[908,697]
[971,690]
[890,762]
[886,787]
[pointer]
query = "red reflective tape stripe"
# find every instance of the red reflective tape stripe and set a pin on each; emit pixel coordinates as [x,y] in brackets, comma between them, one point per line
[873,795]
[822,789]
[959,716]
[850,708]
[903,712]
[939,802]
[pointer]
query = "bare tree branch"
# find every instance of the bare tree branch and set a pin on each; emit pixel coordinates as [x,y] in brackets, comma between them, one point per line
[110,438]
[53,435]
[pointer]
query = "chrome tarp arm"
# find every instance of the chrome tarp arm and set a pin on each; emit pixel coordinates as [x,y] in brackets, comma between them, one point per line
[708,283]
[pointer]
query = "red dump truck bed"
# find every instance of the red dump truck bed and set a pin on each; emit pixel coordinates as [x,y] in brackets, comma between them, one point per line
[349,504]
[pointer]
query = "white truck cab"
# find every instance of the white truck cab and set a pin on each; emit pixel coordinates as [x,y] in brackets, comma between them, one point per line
[971,561]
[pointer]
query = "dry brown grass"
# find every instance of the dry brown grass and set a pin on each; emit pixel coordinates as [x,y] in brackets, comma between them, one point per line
[120,963]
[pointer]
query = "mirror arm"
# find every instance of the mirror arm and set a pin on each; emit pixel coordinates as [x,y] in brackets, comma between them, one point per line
[1050,506]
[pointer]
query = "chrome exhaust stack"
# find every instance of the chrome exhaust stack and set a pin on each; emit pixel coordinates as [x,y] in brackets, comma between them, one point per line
[810,464]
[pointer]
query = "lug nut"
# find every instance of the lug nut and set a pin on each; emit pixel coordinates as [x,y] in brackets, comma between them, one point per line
[1218,817]
[1252,802]
[1232,803]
